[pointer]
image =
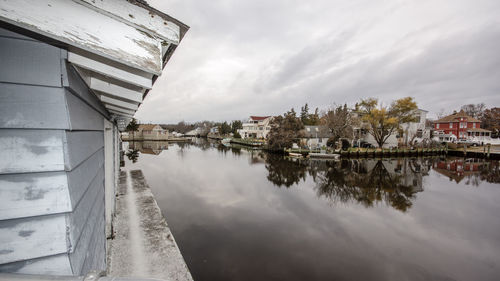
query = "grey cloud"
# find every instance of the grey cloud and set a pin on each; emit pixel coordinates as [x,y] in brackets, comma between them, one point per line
[263,57]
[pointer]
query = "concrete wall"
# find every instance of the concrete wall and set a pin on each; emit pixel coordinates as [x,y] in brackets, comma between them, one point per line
[52,210]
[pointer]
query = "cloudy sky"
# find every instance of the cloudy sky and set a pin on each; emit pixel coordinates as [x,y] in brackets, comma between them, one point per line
[262,57]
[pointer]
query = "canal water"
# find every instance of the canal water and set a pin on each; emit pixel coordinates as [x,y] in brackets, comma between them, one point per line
[238,214]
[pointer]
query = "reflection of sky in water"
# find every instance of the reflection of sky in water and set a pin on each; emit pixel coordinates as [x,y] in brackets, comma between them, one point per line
[232,223]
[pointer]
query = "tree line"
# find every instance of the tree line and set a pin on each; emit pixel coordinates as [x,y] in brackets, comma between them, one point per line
[378,120]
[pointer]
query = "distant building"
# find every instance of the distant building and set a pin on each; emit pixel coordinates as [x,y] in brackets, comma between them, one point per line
[151,132]
[194,132]
[315,136]
[256,127]
[461,126]
[412,132]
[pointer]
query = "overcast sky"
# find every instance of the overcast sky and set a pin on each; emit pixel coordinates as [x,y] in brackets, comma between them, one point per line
[262,57]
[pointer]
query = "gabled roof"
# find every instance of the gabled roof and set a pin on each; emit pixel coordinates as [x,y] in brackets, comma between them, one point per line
[316,132]
[147,127]
[455,118]
[259,118]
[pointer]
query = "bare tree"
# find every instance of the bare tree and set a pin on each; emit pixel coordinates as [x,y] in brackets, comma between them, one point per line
[474,110]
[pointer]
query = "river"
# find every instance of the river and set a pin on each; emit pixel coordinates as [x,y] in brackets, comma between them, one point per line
[238,214]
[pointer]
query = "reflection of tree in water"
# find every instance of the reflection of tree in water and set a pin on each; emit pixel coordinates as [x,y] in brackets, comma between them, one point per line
[132,154]
[348,181]
[284,172]
[491,173]
[236,151]
[222,148]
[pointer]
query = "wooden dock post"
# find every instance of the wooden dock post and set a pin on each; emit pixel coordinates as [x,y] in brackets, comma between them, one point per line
[489,147]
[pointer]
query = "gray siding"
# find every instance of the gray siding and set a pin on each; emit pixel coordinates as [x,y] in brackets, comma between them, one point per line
[52,212]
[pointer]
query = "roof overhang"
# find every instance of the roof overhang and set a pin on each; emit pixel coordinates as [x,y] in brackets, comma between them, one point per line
[119,47]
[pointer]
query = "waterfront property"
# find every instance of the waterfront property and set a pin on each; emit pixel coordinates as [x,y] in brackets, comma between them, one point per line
[257,127]
[411,133]
[72,75]
[241,214]
[315,137]
[461,126]
[147,132]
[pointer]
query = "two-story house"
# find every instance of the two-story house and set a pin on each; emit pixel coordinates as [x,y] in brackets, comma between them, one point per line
[461,126]
[409,133]
[256,127]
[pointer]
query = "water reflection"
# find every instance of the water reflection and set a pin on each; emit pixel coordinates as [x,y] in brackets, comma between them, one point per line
[240,214]
[469,171]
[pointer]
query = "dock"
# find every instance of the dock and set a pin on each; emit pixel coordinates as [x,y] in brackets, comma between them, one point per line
[142,244]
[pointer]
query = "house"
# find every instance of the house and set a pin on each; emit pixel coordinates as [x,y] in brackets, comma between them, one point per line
[461,126]
[194,132]
[256,127]
[214,130]
[411,133]
[72,75]
[315,136]
[151,132]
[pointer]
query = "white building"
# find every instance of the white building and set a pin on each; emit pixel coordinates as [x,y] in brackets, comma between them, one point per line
[413,132]
[72,75]
[315,136]
[256,127]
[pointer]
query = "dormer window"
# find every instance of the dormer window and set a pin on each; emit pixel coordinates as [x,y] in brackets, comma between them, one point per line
[451,125]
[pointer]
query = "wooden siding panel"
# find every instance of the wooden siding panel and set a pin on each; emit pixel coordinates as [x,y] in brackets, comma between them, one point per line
[26,195]
[29,62]
[88,249]
[29,238]
[21,147]
[95,256]
[81,115]
[83,214]
[52,265]
[81,145]
[80,178]
[76,84]
[23,106]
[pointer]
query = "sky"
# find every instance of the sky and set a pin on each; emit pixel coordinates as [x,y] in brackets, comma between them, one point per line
[263,57]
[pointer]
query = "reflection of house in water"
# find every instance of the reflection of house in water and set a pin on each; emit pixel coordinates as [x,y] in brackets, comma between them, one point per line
[369,181]
[149,147]
[458,169]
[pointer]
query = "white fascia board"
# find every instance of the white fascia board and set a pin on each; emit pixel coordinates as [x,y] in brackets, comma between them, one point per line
[119,109]
[121,114]
[115,102]
[114,90]
[78,25]
[140,18]
[109,70]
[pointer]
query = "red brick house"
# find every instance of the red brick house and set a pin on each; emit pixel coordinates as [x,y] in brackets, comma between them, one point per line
[461,126]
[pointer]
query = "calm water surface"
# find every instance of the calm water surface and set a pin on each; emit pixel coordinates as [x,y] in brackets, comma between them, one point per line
[243,215]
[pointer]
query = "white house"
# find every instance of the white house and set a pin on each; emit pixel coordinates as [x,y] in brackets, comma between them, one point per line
[256,127]
[315,136]
[413,132]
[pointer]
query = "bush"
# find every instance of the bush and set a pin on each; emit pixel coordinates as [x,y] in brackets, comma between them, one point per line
[237,135]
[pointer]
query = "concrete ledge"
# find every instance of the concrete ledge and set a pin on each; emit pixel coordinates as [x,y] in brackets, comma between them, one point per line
[143,245]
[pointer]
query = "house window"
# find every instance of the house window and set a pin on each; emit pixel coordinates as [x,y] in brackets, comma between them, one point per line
[419,133]
[437,126]
[474,125]
[451,125]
